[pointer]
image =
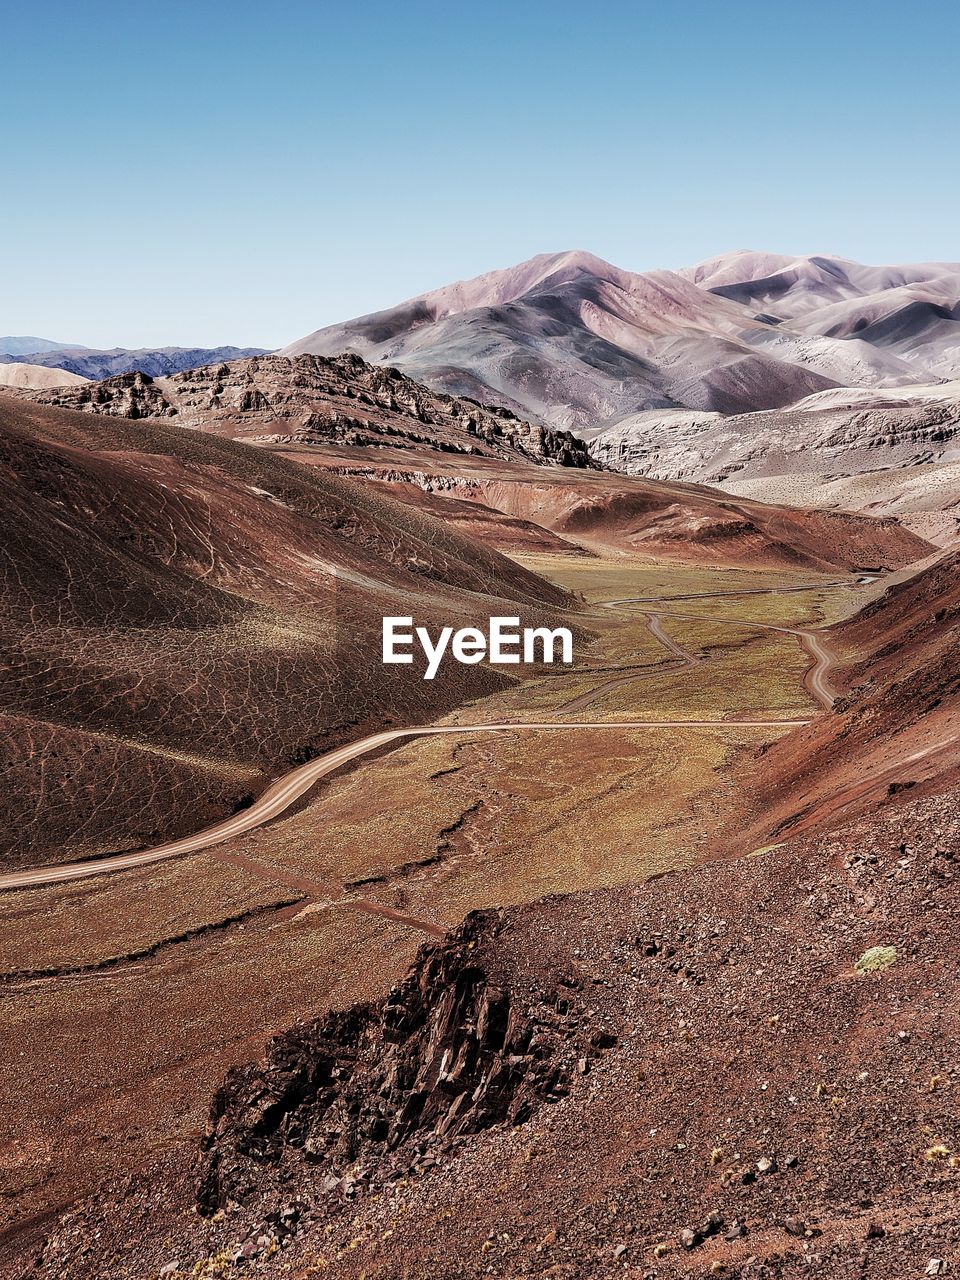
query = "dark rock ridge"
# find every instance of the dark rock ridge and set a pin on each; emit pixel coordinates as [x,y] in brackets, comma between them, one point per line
[316,400]
[380,1089]
[126,395]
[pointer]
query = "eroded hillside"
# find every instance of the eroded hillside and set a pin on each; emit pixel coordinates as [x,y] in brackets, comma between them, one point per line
[896,726]
[182,616]
[747,1066]
[314,400]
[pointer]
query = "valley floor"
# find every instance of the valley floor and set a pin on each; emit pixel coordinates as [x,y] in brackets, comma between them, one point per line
[127,996]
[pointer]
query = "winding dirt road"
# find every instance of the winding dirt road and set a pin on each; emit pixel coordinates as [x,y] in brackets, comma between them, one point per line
[283,793]
[682,661]
[815,681]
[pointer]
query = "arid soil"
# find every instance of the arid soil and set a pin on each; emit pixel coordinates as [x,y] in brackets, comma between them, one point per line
[339,413]
[183,616]
[676,1068]
[141,989]
[924,497]
[743,1069]
[35,376]
[896,728]
[603,512]
[839,435]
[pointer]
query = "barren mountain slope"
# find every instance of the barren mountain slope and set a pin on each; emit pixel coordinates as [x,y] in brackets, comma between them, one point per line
[22,345]
[843,432]
[741,1069]
[579,343]
[601,511]
[925,498]
[897,725]
[342,414]
[797,285]
[920,322]
[182,615]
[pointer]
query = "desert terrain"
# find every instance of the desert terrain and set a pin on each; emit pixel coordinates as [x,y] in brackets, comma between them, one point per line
[638,966]
[811,380]
[619,985]
[153,980]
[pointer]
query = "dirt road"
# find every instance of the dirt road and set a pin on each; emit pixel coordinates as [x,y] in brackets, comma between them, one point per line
[681,661]
[286,790]
[283,793]
[815,681]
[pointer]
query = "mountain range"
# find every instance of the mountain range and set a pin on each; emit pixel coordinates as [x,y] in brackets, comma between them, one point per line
[94,363]
[579,344]
[810,380]
[573,341]
[667,977]
[776,377]
[27,346]
[514,484]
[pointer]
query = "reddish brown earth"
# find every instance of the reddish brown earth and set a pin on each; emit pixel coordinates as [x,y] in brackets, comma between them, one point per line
[603,511]
[469,515]
[532,486]
[747,1068]
[561,1088]
[690,1077]
[896,728]
[183,616]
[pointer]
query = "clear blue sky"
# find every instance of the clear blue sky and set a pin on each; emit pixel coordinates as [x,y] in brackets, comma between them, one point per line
[207,173]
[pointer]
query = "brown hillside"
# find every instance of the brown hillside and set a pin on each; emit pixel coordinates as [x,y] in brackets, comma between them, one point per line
[699,1076]
[187,613]
[603,511]
[897,725]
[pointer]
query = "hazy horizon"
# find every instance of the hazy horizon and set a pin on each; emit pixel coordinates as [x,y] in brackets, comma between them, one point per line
[199,178]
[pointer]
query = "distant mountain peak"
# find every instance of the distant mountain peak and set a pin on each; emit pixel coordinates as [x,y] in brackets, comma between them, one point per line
[572,341]
[29,346]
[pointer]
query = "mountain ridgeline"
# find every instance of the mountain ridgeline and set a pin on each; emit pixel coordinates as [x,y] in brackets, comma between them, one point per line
[323,400]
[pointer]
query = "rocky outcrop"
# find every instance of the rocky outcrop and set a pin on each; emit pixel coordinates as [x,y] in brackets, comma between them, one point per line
[847,433]
[128,395]
[312,400]
[780,1101]
[380,1089]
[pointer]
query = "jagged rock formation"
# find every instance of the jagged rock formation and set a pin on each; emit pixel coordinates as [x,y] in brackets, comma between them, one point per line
[125,395]
[882,452]
[314,400]
[778,1097]
[840,432]
[376,1090]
